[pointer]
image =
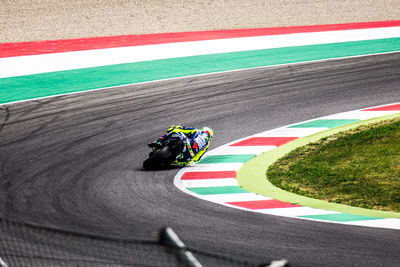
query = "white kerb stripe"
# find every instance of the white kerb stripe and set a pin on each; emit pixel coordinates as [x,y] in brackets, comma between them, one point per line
[290,132]
[361,115]
[235,150]
[215,167]
[223,198]
[391,223]
[296,211]
[209,182]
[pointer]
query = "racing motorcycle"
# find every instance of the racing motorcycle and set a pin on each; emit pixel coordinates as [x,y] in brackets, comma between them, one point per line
[170,153]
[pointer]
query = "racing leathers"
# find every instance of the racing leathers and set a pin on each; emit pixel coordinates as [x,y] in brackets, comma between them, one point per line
[196,143]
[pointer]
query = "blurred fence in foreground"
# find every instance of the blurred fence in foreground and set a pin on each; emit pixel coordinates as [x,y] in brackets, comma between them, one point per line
[28,245]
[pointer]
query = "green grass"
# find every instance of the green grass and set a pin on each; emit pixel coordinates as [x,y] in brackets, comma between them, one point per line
[359,167]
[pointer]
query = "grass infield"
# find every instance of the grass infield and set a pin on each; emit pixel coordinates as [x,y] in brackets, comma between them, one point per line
[359,167]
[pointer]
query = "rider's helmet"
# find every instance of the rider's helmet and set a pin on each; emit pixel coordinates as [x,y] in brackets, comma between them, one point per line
[208,131]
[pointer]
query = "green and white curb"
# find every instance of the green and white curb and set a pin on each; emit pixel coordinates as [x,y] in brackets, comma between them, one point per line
[28,65]
[233,175]
[24,77]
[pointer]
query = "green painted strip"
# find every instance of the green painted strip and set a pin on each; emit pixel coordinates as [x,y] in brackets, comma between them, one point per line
[62,82]
[226,159]
[252,175]
[340,217]
[217,190]
[323,123]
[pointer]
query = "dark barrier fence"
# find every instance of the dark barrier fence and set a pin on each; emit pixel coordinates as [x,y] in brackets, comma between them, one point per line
[29,245]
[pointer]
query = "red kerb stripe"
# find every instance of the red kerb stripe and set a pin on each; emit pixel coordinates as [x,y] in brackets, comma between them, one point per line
[208,175]
[264,141]
[263,204]
[67,45]
[385,108]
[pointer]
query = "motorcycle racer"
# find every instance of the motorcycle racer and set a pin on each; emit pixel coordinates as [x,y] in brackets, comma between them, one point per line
[196,143]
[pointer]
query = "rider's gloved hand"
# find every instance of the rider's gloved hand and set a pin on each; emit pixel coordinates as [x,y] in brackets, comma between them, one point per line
[171,128]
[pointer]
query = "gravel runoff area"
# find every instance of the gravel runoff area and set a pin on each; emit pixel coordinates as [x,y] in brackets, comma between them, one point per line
[33,20]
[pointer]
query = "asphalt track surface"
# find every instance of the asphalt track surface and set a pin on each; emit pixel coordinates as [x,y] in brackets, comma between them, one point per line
[74,162]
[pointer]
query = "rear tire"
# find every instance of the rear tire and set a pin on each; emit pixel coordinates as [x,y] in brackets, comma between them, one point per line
[161,158]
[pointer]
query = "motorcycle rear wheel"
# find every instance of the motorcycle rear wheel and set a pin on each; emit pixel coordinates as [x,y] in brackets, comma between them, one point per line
[161,158]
